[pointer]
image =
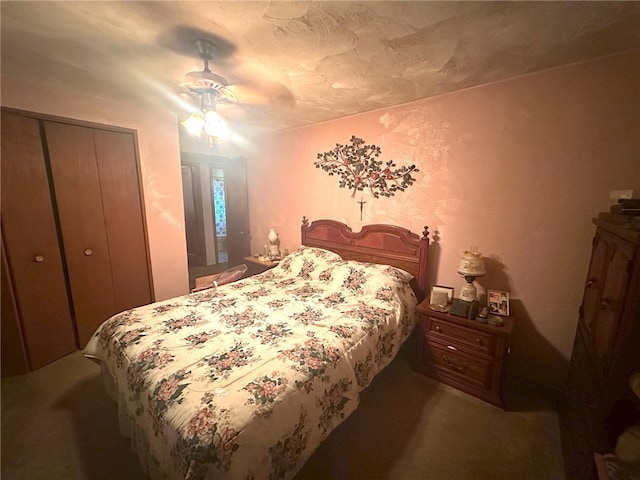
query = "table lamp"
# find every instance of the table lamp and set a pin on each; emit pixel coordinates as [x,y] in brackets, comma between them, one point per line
[274,248]
[471,266]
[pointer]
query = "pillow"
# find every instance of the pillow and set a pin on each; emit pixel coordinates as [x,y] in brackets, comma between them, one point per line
[307,262]
[361,278]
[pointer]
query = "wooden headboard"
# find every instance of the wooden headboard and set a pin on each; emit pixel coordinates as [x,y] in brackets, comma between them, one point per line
[384,244]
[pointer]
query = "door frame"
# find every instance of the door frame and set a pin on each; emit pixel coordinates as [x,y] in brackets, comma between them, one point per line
[236,200]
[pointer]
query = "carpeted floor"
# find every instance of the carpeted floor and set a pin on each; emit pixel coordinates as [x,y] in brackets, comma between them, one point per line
[58,423]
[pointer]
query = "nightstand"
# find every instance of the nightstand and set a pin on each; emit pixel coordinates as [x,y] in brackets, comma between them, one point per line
[465,354]
[256,266]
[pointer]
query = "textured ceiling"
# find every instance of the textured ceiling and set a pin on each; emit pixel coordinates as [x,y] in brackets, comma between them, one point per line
[296,63]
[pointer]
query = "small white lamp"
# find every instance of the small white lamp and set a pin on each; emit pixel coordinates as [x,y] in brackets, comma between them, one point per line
[274,248]
[471,266]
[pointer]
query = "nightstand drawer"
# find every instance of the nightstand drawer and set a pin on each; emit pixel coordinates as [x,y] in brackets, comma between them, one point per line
[461,337]
[472,370]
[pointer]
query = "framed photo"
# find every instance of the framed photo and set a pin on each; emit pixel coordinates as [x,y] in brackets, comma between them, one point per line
[498,302]
[439,290]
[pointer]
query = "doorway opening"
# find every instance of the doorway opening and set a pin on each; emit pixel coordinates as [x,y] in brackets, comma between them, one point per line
[215,207]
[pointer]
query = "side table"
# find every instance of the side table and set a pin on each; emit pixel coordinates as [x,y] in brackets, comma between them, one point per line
[466,354]
[256,266]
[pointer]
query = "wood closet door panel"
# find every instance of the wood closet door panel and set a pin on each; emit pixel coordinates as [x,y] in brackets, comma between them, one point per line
[84,236]
[124,218]
[32,248]
[13,348]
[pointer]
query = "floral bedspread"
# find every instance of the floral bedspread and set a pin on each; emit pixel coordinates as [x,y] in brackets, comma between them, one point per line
[245,380]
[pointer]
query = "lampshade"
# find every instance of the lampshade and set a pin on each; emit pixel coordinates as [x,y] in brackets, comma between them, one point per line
[215,126]
[471,263]
[194,124]
[207,120]
[470,267]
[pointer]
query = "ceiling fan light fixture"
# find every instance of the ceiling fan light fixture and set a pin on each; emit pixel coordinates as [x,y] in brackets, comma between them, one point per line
[211,88]
[215,126]
[194,124]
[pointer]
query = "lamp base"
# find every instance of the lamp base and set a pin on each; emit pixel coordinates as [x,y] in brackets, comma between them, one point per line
[468,292]
[274,251]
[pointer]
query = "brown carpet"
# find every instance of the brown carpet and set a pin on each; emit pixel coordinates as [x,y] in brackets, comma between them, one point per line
[58,423]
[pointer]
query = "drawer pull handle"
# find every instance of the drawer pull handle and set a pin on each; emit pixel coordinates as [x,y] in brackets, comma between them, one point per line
[88,252]
[455,366]
[451,347]
[479,340]
[591,282]
[437,328]
[38,258]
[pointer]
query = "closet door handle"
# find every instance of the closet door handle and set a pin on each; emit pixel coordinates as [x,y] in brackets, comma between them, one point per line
[38,258]
[88,252]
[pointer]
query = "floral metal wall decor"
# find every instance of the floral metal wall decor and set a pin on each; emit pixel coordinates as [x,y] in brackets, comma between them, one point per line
[358,167]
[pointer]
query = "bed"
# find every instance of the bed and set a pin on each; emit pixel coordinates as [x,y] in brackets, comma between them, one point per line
[244,381]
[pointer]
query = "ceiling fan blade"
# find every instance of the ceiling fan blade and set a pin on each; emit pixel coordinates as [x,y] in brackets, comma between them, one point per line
[267,94]
[181,40]
[218,90]
[228,94]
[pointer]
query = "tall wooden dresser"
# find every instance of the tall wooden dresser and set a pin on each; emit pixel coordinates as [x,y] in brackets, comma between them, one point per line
[599,404]
[74,248]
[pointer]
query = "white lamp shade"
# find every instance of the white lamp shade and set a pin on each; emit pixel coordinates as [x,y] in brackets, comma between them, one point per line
[194,124]
[471,264]
[272,236]
[215,126]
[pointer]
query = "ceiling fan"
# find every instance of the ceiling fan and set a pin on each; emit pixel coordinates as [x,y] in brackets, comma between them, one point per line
[259,92]
[212,89]
[205,82]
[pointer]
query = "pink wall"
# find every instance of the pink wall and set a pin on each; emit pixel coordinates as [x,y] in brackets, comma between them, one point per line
[518,168]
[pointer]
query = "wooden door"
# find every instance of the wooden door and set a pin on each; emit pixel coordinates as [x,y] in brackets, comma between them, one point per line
[33,252]
[84,234]
[196,250]
[124,218]
[97,189]
[238,238]
[14,350]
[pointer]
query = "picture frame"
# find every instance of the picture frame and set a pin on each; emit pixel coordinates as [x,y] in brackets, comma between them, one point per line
[442,289]
[498,302]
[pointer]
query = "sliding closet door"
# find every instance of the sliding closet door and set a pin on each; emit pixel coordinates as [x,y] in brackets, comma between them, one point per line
[32,249]
[84,235]
[124,217]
